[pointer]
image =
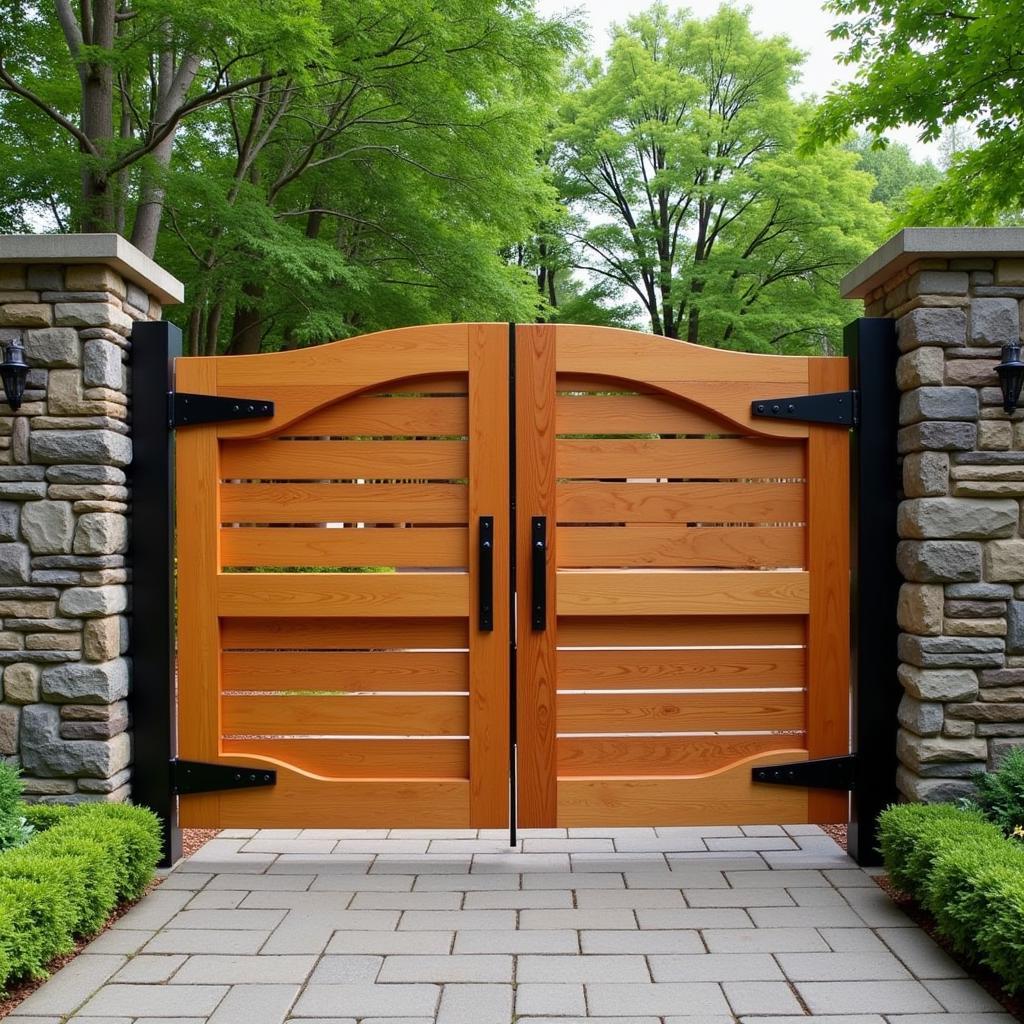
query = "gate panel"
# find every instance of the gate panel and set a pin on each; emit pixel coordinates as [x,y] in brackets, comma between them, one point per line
[329,568]
[700,577]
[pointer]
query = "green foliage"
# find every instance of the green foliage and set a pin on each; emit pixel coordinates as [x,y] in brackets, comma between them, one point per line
[935,66]
[899,178]
[14,830]
[1000,794]
[44,816]
[67,880]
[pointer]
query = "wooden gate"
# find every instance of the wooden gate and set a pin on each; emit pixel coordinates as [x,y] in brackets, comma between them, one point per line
[679,588]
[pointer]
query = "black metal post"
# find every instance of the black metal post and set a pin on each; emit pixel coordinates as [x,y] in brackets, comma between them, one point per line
[875,488]
[154,346]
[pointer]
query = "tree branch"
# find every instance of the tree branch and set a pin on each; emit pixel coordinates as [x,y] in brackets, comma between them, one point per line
[10,85]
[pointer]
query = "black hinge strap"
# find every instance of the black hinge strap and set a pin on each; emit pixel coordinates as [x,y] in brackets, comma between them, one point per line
[837,408]
[186,410]
[822,773]
[201,777]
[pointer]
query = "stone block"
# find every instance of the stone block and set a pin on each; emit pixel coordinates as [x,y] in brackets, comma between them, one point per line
[94,277]
[951,652]
[925,474]
[937,435]
[102,366]
[15,564]
[930,791]
[939,561]
[938,403]
[995,435]
[93,602]
[1010,677]
[998,749]
[96,730]
[1015,627]
[987,711]
[915,751]
[979,591]
[973,373]
[1004,560]
[26,314]
[966,518]
[920,608]
[82,683]
[91,314]
[102,638]
[939,282]
[974,627]
[974,609]
[919,717]
[48,526]
[957,727]
[16,490]
[921,367]
[85,475]
[46,755]
[53,347]
[97,447]
[45,276]
[10,517]
[995,321]
[115,782]
[10,717]
[929,325]
[101,533]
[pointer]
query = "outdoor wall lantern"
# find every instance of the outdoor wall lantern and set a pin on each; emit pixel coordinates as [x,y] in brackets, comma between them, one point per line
[1010,370]
[14,371]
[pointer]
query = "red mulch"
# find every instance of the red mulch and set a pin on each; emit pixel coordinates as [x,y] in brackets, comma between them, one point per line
[191,840]
[837,832]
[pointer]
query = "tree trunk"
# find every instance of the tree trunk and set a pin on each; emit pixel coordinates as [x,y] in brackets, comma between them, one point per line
[213,328]
[98,117]
[246,336]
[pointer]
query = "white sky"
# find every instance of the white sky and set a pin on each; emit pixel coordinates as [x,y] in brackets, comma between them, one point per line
[803,21]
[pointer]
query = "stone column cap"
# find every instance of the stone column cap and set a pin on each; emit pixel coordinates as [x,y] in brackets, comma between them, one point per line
[912,244]
[108,249]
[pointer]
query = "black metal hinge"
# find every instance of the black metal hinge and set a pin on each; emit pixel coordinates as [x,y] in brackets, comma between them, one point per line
[838,408]
[823,773]
[200,777]
[186,410]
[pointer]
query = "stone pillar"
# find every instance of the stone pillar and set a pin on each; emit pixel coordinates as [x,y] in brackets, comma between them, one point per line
[65,591]
[956,296]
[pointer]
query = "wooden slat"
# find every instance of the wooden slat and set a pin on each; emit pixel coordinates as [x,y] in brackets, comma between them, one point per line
[303,546]
[343,503]
[742,458]
[344,460]
[614,670]
[686,592]
[633,414]
[536,653]
[726,547]
[386,417]
[347,715]
[699,631]
[489,705]
[356,634]
[367,595]
[728,797]
[344,670]
[688,712]
[303,801]
[681,503]
[362,759]
[431,384]
[614,757]
[828,558]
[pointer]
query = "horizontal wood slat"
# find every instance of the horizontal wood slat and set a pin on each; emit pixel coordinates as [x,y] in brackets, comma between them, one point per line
[343,503]
[613,670]
[633,414]
[726,547]
[386,417]
[719,458]
[348,715]
[301,546]
[689,712]
[376,595]
[681,503]
[344,671]
[344,460]
[362,759]
[356,634]
[692,631]
[686,592]
[611,757]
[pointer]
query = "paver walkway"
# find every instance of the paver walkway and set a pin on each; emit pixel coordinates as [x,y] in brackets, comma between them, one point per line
[759,925]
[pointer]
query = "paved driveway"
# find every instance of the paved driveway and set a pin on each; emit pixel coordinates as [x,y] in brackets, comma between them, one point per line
[760,925]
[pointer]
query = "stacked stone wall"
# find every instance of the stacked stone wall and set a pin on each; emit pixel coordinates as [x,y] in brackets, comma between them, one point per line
[961,552]
[64,530]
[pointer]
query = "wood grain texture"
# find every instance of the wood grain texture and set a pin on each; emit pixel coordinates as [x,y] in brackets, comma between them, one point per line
[293,546]
[726,711]
[681,503]
[681,631]
[683,592]
[537,655]
[726,547]
[633,414]
[373,416]
[350,633]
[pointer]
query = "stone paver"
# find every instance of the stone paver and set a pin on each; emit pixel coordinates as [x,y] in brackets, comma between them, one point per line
[727,925]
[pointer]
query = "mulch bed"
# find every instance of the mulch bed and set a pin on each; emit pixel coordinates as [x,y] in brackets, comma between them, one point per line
[192,839]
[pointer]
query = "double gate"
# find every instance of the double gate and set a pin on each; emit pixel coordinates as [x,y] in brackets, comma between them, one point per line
[473,575]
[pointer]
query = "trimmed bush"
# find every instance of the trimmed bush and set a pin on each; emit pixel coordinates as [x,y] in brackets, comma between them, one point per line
[1000,794]
[68,878]
[14,831]
[44,816]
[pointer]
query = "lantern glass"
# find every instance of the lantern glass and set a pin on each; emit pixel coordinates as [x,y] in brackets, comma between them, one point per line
[1011,376]
[14,373]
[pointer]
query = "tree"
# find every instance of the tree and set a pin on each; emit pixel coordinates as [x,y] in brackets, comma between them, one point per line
[937,64]
[680,150]
[897,174]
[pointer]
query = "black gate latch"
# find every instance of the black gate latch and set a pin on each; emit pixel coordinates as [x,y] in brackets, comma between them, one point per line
[186,410]
[838,408]
[201,777]
[823,773]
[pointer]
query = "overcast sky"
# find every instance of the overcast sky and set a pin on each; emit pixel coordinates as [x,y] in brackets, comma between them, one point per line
[803,21]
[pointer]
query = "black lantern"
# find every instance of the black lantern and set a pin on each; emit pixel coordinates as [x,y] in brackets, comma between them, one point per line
[1011,376]
[14,371]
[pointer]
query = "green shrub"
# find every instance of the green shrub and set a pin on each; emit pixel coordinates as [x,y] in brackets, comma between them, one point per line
[137,833]
[1001,931]
[93,865]
[32,927]
[13,828]
[898,828]
[44,816]
[1000,794]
